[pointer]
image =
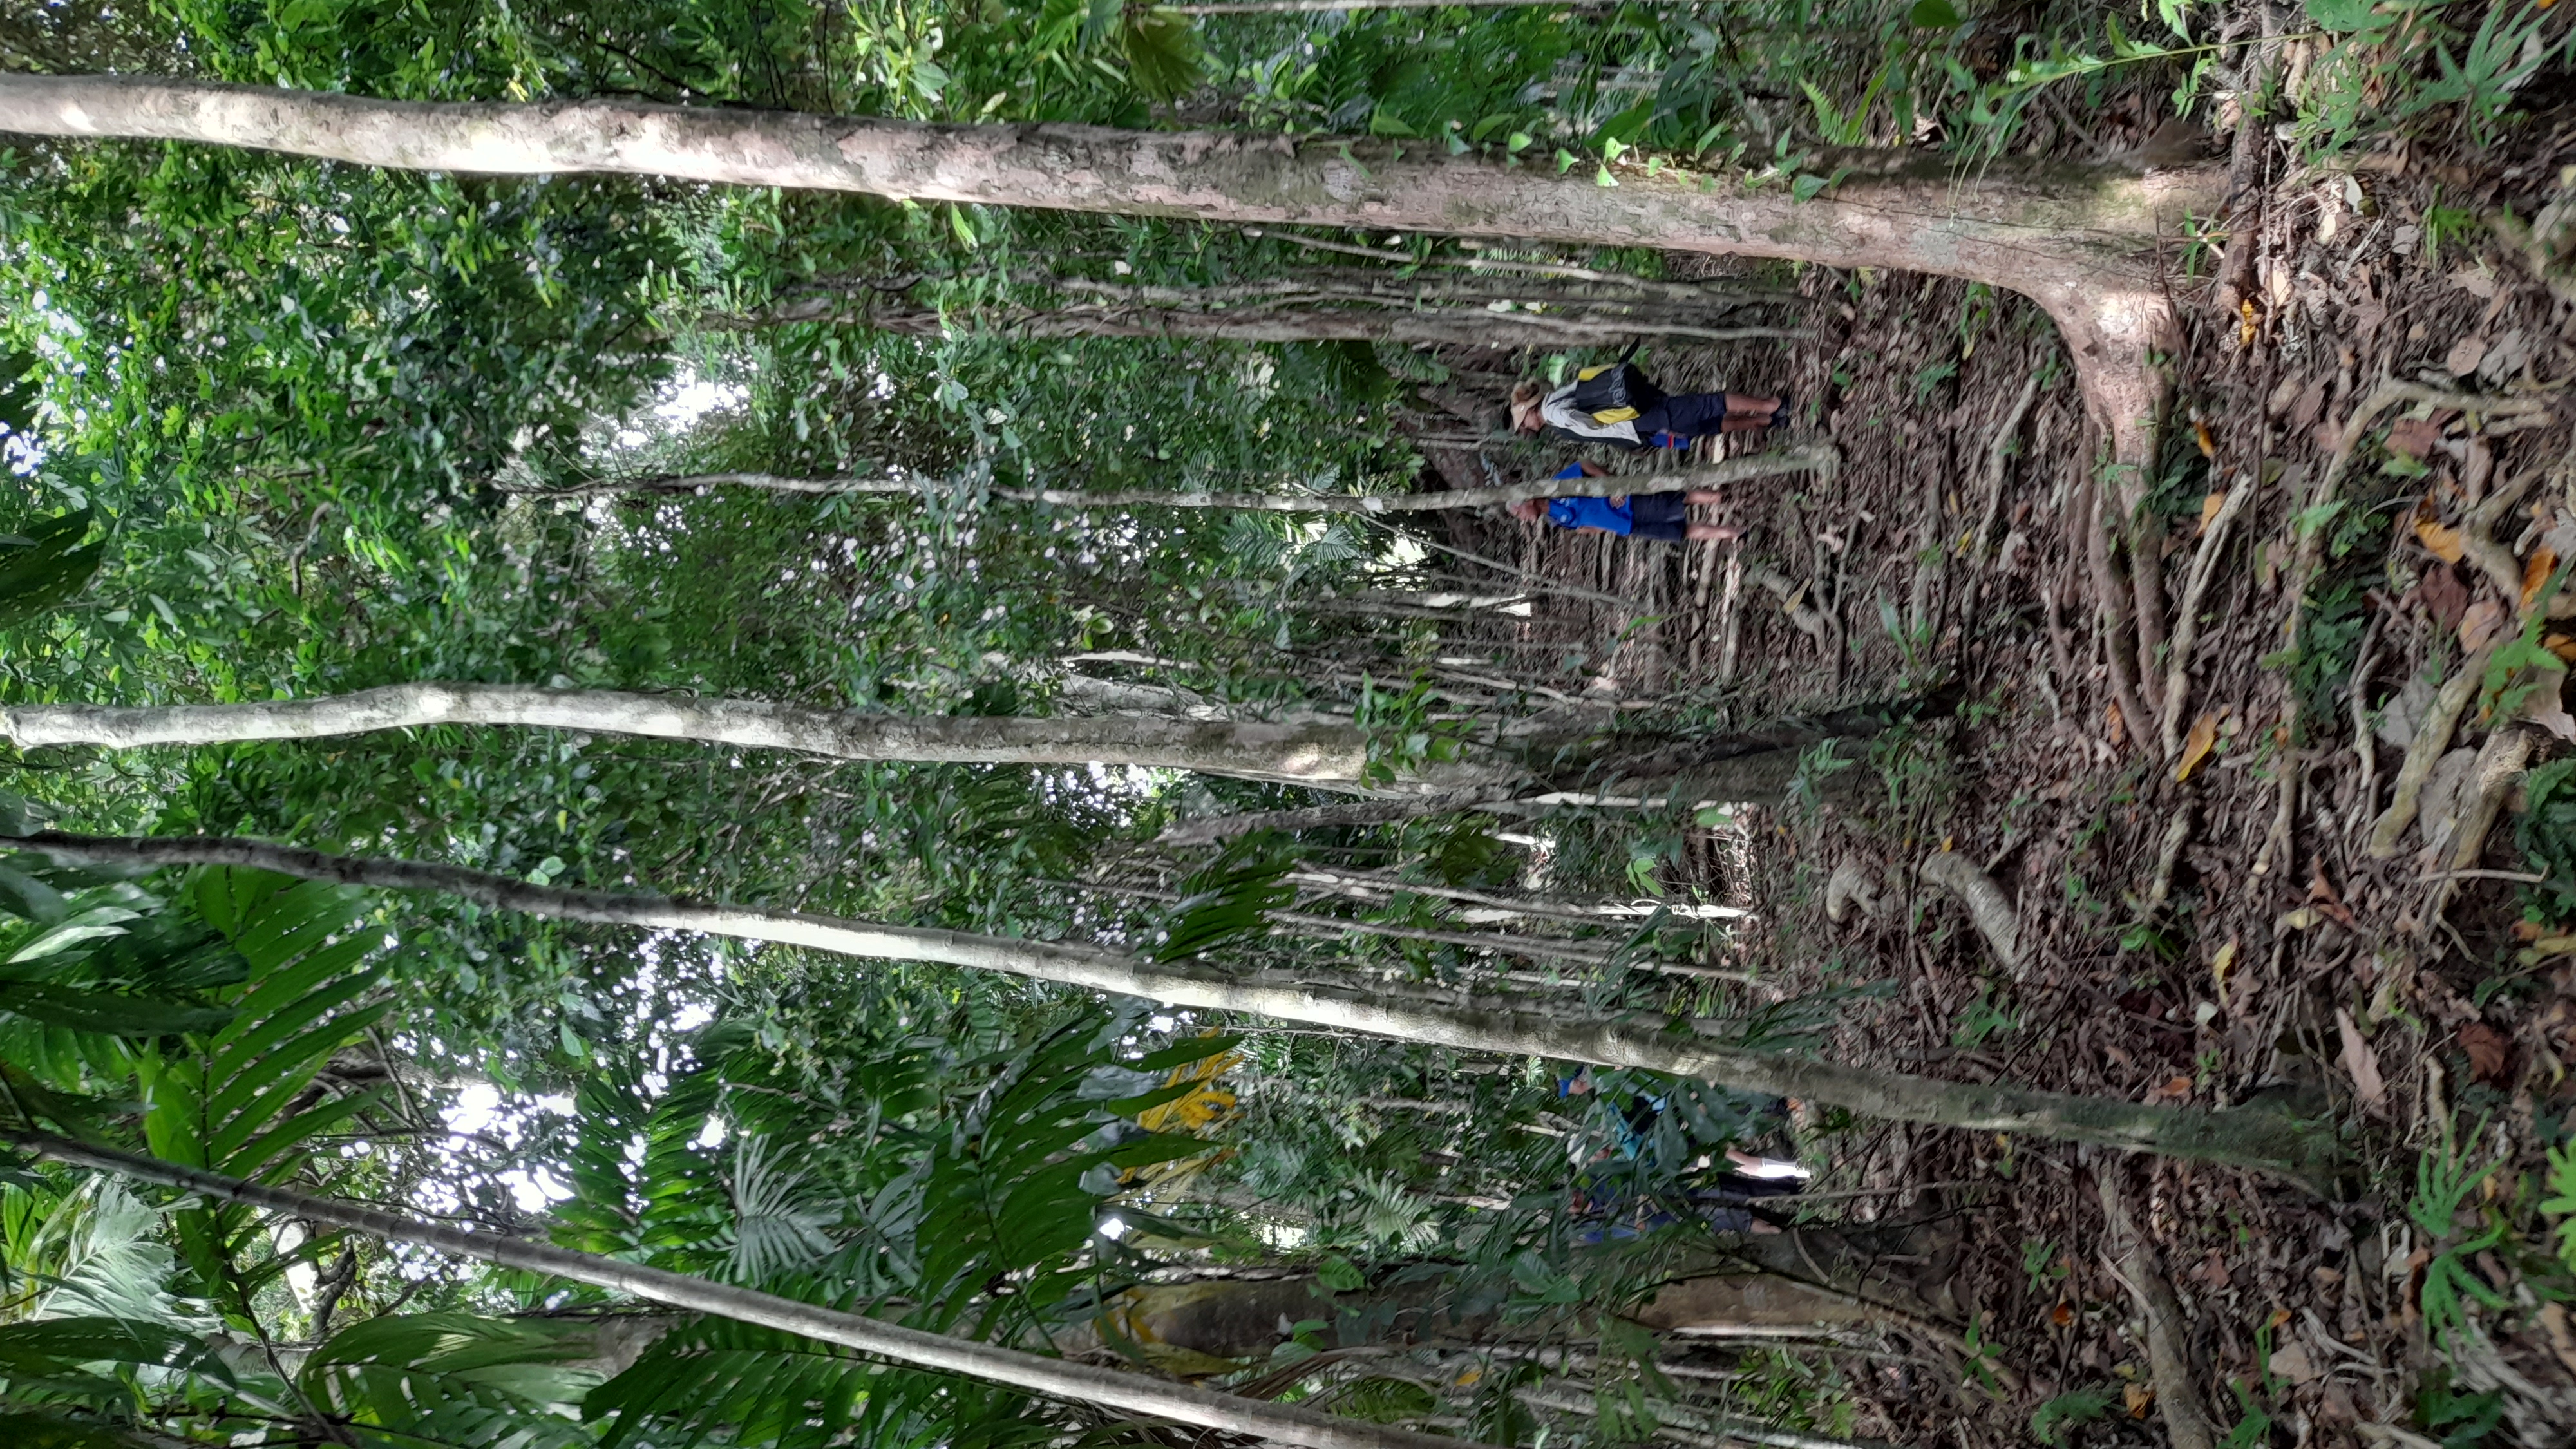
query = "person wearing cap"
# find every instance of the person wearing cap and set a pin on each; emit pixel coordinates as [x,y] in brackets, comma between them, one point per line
[1663,516]
[1666,422]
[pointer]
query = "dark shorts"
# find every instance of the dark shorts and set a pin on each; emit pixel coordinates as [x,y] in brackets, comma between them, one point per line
[1658,515]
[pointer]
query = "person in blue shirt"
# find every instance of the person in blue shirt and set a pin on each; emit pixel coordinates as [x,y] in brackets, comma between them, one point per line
[1632,515]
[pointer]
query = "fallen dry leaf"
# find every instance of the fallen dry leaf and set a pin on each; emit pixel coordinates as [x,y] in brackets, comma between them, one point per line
[2445,597]
[2200,434]
[2196,748]
[2490,1055]
[2119,727]
[2212,1273]
[2562,645]
[2562,1337]
[2293,1364]
[2480,623]
[2414,437]
[2279,402]
[2360,1062]
[2209,506]
[2535,573]
[2308,406]
[2219,967]
[2137,1399]
[2061,1315]
[2546,705]
[2478,282]
[2509,354]
[2465,355]
[2175,1089]
[2322,891]
[2439,540]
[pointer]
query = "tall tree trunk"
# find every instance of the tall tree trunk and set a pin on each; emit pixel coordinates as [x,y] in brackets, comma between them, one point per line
[1754,768]
[2077,239]
[2246,1137]
[1803,1278]
[1328,755]
[1078,1383]
[1805,458]
[1442,326]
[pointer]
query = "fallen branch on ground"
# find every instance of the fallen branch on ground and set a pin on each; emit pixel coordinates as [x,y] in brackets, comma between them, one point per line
[2499,764]
[1991,489]
[2168,1332]
[2204,568]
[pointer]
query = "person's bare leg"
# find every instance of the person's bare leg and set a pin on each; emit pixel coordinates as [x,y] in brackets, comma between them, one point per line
[1745,404]
[1703,495]
[1708,532]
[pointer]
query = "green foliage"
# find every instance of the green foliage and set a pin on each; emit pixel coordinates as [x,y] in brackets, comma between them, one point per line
[47,566]
[2546,835]
[453,1378]
[2442,1188]
[2050,1421]
[2562,1183]
[1230,898]
[235,1100]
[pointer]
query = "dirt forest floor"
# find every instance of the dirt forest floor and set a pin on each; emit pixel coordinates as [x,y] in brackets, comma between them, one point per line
[2206,923]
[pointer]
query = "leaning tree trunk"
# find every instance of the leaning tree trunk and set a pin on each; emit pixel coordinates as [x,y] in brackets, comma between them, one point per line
[2077,239]
[1754,768]
[2248,1137]
[1054,1377]
[1806,458]
[1812,1278]
[1437,326]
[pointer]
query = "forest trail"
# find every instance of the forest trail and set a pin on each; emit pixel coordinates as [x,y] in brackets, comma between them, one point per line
[2206,935]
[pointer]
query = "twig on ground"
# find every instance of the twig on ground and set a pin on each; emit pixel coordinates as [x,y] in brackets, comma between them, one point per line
[2477,536]
[2204,568]
[2432,739]
[2364,745]
[2291,763]
[2168,858]
[1991,487]
[1988,907]
[1809,621]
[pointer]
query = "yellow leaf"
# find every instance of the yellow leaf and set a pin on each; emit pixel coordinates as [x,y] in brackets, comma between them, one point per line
[2200,434]
[2209,507]
[2442,543]
[2544,562]
[2220,965]
[2136,1398]
[2196,748]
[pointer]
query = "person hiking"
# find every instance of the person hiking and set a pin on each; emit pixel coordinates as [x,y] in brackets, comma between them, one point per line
[1633,515]
[1617,405]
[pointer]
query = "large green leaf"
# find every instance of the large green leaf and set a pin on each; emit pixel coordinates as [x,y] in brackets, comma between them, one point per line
[240,1100]
[47,566]
[112,1013]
